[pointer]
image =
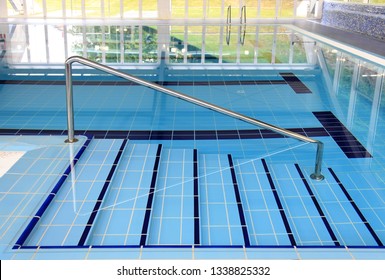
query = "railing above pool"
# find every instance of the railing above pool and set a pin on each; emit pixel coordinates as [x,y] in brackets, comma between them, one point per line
[317,175]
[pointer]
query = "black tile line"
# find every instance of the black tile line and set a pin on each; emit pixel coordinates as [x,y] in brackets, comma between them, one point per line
[173,134]
[347,142]
[150,199]
[103,192]
[239,203]
[358,211]
[28,230]
[128,83]
[317,205]
[196,200]
[279,204]
[296,84]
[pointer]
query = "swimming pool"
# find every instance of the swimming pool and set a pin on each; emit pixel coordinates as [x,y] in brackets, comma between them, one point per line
[155,177]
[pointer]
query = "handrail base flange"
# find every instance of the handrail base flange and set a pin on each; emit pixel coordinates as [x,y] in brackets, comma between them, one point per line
[317,177]
[71,141]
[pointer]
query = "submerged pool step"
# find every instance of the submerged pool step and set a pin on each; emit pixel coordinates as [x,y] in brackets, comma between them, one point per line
[307,220]
[221,214]
[172,215]
[124,217]
[123,194]
[72,210]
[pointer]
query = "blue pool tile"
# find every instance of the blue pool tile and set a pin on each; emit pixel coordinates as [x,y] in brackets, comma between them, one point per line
[324,254]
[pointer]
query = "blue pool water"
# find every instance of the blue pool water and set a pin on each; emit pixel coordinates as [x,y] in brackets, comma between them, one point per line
[155,177]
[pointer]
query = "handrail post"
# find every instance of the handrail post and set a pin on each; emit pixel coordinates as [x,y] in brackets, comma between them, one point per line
[70,103]
[318,163]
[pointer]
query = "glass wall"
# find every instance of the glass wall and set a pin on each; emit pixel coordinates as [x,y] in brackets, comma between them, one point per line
[143,44]
[170,9]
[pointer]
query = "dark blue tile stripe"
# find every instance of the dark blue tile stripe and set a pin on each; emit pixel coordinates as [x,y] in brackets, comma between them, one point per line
[279,204]
[29,228]
[295,83]
[174,135]
[150,199]
[128,83]
[360,214]
[319,209]
[103,192]
[196,200]
[198,247]
[239,202]
[341,135]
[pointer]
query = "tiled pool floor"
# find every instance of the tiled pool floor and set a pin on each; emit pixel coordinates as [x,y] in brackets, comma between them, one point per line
[140,199]
[153,177]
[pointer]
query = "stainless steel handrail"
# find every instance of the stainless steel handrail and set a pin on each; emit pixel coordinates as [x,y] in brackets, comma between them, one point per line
[243,15]
[228,25]
[70,108]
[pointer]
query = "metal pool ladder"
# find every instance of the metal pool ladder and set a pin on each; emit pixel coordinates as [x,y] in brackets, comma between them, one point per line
[70,108]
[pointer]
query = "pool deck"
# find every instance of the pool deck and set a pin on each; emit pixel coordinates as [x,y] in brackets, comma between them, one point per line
[357,40]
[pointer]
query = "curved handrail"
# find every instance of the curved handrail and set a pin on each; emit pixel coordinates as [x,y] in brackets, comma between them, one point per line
[228,25]
[242,26]
[70,110]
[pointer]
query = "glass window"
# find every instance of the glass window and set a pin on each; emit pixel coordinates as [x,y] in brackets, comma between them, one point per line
[54,9]
[265,44]
[131,44]
[149,44]
[282,50]
[34,8]
[74,8]
[149,9]
[195,9]
[299,52]
[94,10]
[194,44]
[178,8]
[215,10]
[268,8]
[212,44]
[177,45]
[130,9]
[247,41]
[286,8]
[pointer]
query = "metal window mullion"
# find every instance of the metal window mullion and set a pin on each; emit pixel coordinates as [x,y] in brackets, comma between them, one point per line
[140,29]
[83,9]
[85,41]
[26,9]
[295,8]
[64,10]
[185,43]
[104,43]
[65,37]
[122,31]
[256,45]
[238,59]
[291,50]
[337,73]
[274,47]
[277,3]
[44,9]
[203,52]
[186,9]
[102,9]
[204,9]
[46,43]
[28,43]
[220,59]
[121,9]
[353,94]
